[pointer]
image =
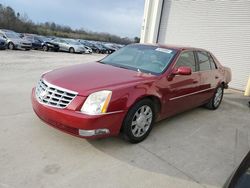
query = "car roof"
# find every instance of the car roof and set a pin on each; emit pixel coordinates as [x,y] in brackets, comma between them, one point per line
[174,47]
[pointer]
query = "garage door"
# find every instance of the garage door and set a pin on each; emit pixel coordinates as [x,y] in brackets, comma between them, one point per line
[223,27]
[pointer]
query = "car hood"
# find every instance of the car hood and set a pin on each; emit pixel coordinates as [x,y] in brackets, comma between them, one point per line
[90,77]
[51,43]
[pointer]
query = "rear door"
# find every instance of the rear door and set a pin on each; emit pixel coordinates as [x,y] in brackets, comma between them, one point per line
[183,89]
[208,74]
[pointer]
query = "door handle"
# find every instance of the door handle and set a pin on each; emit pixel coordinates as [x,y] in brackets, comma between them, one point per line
[195,81]
[216,77]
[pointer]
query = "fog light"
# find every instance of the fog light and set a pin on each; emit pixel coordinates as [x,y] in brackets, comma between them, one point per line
[93,132]
[101,131]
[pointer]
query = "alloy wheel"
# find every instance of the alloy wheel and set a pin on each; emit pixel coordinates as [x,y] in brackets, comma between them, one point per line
[141,121]
[218,96]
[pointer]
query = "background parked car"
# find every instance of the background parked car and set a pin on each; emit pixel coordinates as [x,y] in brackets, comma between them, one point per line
[47,44]
[14,41]
[110,48]
[88,50]
[69,45]
[2,44]
[89,45]
[41,43]
[241,177]
[100,49]
[35,42]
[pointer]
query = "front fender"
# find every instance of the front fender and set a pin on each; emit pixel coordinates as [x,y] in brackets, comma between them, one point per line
[125,97]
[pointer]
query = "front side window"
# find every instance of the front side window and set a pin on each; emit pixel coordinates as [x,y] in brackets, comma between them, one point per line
[203,60]
[186,59]
[143,58]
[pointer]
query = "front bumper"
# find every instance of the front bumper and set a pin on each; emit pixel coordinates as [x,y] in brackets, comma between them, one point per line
[79,50]
[71,121]
[23,47]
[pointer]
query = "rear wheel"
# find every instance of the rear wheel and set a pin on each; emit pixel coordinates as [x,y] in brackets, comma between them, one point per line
[71,50]
[215,101]
[139,121]
[11,46]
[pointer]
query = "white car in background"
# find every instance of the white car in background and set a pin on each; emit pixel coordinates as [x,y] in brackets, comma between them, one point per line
[14,41]
[69,45]
[88,49]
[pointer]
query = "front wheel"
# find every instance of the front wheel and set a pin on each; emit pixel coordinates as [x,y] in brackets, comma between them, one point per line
[215,101]
[11,46]
[45,48]
[139,121]
[71,50]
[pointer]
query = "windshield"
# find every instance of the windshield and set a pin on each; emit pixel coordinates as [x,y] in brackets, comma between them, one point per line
[12,35]
[73,42]
[43,39]
[144,58]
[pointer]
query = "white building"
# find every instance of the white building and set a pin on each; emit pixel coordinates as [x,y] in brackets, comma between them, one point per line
[220,26]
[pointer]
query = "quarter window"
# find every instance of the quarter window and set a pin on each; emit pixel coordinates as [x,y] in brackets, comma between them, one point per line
[204,62]
[186,59]
[212,63]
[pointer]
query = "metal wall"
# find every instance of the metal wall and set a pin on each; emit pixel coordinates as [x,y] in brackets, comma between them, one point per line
[223,27]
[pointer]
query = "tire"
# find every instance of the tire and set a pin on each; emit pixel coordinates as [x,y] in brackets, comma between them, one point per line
[45,48]
[215,101]
[137,124]
[71,50]
[11,46]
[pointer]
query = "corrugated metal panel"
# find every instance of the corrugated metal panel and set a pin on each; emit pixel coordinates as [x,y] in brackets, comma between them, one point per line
[223,27]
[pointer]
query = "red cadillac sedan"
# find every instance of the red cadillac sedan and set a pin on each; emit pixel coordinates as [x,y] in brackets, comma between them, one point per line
[129,90]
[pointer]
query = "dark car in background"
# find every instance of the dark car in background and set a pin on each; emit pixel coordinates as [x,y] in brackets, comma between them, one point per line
[110,48]
[100,48]
[48,45]
[2,44]
[89,45]
[241,177]
[35,42]
[41,43]
[14,41]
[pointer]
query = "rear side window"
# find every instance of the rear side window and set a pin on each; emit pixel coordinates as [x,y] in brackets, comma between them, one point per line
[186,59]
[203,60]
[212,63]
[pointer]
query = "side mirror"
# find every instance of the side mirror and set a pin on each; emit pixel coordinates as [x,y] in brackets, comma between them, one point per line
[182,71]
[4,37]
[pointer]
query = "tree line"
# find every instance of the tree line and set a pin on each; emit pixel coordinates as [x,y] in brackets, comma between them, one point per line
[9,19]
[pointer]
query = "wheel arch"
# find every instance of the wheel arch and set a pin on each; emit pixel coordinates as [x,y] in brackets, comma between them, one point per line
[155,100]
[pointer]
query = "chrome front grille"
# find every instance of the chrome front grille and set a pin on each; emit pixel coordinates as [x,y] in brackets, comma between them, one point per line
[52,95]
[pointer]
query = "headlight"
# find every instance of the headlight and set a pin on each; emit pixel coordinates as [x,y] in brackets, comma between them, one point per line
[97,103]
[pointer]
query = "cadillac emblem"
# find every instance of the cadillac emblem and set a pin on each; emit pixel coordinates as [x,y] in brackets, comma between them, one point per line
[43,94]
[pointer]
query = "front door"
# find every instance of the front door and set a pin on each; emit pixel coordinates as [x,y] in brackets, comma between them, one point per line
[182,90]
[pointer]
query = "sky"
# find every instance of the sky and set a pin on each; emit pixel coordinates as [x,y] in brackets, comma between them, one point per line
[119,17]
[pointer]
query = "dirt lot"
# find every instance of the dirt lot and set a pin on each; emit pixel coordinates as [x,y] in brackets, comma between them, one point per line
[198,148]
